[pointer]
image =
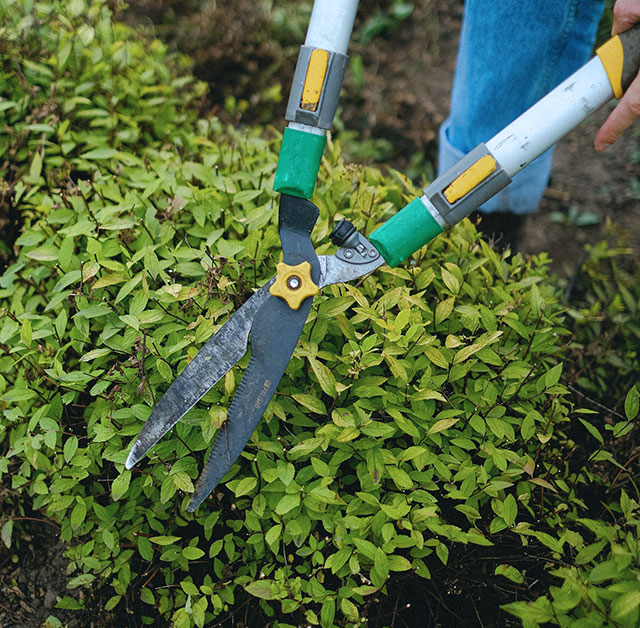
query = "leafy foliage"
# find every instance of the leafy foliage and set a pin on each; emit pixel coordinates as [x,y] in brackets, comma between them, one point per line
[599,586]
[605,305]
[423,408]
[78,87]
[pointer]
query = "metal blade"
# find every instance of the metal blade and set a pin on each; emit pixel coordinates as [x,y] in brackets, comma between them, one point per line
[349,262]
[217,356]
[274,335]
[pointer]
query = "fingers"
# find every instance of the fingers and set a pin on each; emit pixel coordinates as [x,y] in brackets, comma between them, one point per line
[626,13]
[621,117]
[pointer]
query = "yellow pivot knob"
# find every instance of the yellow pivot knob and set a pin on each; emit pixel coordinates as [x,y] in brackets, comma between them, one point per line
[294,284]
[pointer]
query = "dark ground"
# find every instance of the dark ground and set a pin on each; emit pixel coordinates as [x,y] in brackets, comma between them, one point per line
[401,97]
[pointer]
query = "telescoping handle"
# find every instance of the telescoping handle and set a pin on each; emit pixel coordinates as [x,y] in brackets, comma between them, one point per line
[489,167]
[313,100]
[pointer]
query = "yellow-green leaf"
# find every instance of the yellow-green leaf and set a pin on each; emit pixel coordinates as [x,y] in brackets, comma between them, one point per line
[443,424]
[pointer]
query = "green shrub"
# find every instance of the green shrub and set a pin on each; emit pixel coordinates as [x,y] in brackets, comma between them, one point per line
[599,576]
[77,86]
[605,308]
[423,408]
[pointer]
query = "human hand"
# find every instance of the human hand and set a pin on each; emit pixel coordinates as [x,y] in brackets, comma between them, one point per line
[626,13]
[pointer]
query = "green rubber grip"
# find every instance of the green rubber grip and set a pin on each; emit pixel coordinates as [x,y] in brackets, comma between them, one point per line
[299,162]
[410,229]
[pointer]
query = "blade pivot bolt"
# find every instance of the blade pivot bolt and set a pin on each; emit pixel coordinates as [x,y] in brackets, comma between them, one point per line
[294,284]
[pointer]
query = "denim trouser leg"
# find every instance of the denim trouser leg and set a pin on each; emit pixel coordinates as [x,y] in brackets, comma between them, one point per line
[512,53]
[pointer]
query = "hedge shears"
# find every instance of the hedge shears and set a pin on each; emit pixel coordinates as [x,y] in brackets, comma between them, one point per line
[274,316]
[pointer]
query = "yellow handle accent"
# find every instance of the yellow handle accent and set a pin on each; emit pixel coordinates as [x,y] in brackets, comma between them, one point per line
[470,178]
[294,284]
[611,54]
[316,73]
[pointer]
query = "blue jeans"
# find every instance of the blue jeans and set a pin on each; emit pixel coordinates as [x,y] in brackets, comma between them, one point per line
[512,53]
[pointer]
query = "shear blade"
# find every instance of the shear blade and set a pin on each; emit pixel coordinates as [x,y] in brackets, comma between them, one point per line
[274,335]
[274,329]
[217,356]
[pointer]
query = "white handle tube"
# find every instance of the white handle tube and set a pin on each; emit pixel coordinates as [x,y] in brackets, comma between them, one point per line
[541,126]
[331,25]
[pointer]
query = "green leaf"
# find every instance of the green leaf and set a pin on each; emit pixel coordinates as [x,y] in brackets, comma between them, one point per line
[94,354]
[311,402]
[36,166]
[245,486]
[286,472]
[399,563]
[588,553]
[444,309]
[273,534]
[607,570]
[245,196]
[328,613]
[145,548]
[70,603]
[287,503]
[80,581]
[509,572]
[366,548]
[263,589]
[400,478]
[539,611]
[632,403]
[151,263]
[325,377]
[380,571]
[592,430]
[44,254]
[6,532]
[442,552]
[437,357]
[99,153]
[164,540]
[146,596]
[18,394]
[552,377]
[120,485]
[63,55]
[78,515]
[112,602]
[86,34]
[26,333]
[450,281]
[467,352]
[442,425]
[349,609]
[625,604]
[509,509]
[228,248]
[182,482]
[192,553]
